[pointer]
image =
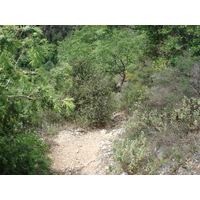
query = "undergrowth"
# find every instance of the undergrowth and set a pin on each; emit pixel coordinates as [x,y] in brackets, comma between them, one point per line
[151,131]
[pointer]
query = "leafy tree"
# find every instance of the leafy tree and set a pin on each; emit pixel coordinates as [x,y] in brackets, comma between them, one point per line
[25,90]
[172,41]
[112,49]
[122,51]
[54,34]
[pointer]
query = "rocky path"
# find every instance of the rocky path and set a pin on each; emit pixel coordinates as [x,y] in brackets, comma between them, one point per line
[76,151]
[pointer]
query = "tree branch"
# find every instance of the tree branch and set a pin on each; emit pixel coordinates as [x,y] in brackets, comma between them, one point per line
[13,29]
[123,72]
[19,58]
[18,96]
[27,97]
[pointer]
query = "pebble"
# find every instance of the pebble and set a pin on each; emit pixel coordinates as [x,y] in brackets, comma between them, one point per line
[183,171]
[104,131]
[80,130]
[124,173]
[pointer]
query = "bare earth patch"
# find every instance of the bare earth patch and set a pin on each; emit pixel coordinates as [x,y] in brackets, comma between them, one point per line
[76,151]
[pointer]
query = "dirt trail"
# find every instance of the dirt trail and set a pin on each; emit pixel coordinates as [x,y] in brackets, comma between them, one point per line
[76,151]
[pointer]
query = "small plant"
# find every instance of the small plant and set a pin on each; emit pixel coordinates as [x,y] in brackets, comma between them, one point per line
[189,113]
[131,153]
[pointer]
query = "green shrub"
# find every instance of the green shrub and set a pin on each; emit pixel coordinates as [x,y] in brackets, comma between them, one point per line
[23,155]
[131,154]
[188,113]
[133,89]
[170,83]
[92,93]
[149,120]
[151,129]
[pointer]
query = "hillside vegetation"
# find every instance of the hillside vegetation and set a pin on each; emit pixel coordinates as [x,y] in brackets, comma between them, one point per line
[53,75]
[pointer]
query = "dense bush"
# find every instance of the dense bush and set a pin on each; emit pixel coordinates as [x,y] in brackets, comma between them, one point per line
[149,120]
[92,93]
[172,41]
[23,154]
